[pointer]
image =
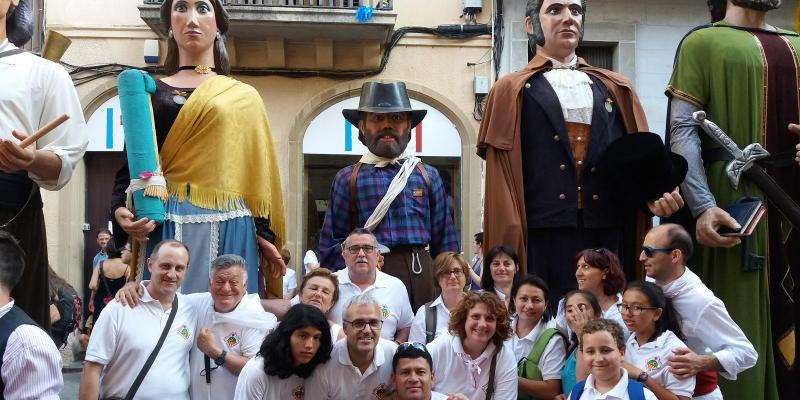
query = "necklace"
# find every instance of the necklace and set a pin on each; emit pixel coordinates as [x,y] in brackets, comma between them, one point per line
[179,96]
[200,69]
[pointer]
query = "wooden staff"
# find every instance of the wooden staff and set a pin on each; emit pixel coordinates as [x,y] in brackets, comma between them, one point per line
[44,130]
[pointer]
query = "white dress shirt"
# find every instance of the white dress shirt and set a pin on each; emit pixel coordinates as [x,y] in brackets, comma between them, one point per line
[31,363]
[708,327]
[618,392]
[34,92]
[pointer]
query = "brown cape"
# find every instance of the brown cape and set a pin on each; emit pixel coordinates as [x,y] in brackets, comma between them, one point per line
[499,144]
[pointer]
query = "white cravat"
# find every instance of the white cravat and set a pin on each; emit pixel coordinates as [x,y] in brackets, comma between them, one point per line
[573,89]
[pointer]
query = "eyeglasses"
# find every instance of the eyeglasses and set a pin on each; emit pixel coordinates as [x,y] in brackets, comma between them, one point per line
[651,251]
[359,324]
[355,249]
[635,310]
[412,345]
[454,273]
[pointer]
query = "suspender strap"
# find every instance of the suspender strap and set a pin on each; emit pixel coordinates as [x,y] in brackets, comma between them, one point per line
[492,368]
[430,322]
[154,353]
[577,390]
[425,176]
[353,203]
[11,52]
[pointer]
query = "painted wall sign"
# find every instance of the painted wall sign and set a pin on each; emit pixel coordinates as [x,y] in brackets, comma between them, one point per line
[330,133]
[105,127]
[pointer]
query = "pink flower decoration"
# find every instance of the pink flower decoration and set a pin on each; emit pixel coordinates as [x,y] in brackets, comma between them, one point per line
[145,175]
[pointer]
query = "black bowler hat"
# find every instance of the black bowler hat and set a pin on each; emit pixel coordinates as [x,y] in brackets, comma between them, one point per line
[384,98]
[639,168]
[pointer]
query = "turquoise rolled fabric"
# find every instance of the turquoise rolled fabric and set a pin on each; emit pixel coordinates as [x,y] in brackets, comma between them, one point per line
[135,88]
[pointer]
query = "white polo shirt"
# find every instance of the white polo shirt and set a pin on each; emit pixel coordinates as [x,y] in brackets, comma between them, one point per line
[618,392]
[418,324]
[124,337]
[339,379]
[239,332]
[388,291]
[553,356]
[255,384]
[708,327]
[453,374]
[652,358]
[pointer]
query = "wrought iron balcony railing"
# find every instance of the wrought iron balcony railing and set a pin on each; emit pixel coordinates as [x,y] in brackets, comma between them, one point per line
[341,4]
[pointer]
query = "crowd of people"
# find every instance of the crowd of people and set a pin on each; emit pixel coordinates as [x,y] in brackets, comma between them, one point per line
[194,302]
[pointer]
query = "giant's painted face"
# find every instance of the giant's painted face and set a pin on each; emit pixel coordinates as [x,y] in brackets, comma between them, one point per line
[385,135]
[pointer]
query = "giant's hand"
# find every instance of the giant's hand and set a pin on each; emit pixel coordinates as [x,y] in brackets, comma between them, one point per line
[270,253]
[707,224]
[667,205]
[794,128]
[137,229]
[13,157]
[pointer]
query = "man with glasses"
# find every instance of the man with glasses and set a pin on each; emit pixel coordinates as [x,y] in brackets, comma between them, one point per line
[391,193]
[715,341]
[360,366]
[412,373]
[361,276]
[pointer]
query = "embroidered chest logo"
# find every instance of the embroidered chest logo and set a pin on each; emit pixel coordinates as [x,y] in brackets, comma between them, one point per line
[385,311]
[232,339]
[382,391]
[418,192]
[183,330]
[654,363]
[299,392]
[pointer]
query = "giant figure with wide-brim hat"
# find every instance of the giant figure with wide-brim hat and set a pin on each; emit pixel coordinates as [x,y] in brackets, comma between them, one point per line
[743,73]
[406,216]
[34,92]
[543,135]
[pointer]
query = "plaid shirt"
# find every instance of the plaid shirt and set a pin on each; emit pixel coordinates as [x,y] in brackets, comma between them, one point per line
[416,217]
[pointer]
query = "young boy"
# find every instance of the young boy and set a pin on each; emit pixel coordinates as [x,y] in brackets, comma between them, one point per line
[603,347]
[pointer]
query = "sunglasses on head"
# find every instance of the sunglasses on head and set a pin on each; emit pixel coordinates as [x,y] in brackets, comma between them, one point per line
[651,251]
[412,345]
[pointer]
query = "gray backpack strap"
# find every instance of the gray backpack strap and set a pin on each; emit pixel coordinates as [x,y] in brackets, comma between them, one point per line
[430,322]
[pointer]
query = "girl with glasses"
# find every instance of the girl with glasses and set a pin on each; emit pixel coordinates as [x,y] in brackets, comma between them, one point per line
[288,355]
[599,271]
[451,272]
[471,361]
[656,331]
[540,349]
[502,265]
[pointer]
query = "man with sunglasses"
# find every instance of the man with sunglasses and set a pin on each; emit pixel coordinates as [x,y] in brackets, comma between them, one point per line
[715,341]
[360,366]
[412,373]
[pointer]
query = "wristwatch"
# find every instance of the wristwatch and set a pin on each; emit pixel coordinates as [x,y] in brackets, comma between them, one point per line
[641,378]
[221,359]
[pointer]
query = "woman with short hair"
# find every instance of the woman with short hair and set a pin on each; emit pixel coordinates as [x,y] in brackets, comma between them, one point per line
[320,288]
[288,355]
[451,272]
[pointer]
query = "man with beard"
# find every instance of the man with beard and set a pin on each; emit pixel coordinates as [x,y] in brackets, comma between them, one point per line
[390,193]
[361,365]
[744,74]
[562,114]
[34,92]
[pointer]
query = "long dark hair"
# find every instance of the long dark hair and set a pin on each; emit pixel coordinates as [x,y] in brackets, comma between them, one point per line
[221,64]
[534,281]
[487,282]
[589,297]
[670,319]
[112,251]
[277,346]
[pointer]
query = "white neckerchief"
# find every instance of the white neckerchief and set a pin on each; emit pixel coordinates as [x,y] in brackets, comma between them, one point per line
[573,89]
[474,366]
[395,187]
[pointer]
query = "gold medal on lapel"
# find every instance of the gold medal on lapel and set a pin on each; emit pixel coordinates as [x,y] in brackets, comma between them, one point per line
[609,102]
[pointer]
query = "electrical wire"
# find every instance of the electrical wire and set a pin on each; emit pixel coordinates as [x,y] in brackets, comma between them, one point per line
[86,73]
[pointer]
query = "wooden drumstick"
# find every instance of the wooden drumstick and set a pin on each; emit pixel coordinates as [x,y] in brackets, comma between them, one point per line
[44,130]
